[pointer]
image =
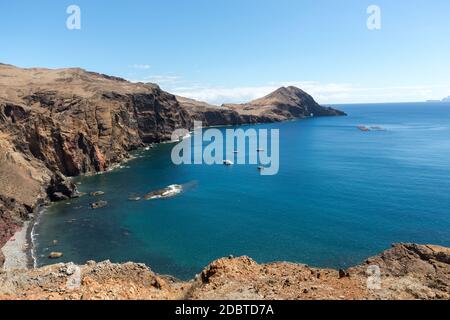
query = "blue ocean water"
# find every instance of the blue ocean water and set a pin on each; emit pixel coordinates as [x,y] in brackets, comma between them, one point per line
[341,195]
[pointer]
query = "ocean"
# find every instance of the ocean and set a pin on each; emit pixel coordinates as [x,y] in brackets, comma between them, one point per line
[341,195]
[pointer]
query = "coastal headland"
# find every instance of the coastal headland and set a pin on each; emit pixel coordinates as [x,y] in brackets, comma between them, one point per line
[62,123]
[57,124]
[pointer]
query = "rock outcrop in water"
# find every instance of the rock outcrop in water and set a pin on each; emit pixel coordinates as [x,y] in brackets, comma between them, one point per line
[68,122]
[407,271]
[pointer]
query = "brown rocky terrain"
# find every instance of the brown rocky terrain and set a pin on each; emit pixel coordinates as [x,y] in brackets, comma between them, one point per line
[68,122]
[407,271]
[283,104]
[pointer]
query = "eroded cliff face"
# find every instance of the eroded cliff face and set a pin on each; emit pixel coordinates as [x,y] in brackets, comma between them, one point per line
[407,271]
[67,122]
[79,122]
[211,115]
[59,123]
[22,184]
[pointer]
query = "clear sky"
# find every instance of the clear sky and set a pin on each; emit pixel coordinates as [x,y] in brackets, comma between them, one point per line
[234,50]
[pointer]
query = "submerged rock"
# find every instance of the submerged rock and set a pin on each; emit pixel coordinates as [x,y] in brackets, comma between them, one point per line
[97,193]
[168,192]
[55,255]
[79,194]
[99,204]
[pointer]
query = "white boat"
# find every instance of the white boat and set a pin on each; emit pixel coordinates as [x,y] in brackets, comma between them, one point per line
[228,162]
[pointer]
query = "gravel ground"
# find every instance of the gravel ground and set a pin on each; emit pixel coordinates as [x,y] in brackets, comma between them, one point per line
[15,250]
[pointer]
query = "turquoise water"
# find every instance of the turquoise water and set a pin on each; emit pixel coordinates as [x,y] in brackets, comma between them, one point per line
[341,195]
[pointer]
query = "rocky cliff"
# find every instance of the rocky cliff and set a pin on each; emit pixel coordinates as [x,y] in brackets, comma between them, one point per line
[407,271]
[68,122]
[283,104]
[58,123]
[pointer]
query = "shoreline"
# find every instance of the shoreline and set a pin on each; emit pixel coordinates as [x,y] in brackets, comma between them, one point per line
[18,250]
[404,274]
[29,242]
[32,260]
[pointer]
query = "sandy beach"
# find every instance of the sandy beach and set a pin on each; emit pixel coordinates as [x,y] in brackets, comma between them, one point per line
[15,250]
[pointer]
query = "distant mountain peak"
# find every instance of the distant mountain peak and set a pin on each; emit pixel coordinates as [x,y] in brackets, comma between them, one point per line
[285,103]
[286,96]
[286,91]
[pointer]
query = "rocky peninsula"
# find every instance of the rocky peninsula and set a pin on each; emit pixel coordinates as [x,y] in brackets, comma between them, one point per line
[56,124]
[62,123]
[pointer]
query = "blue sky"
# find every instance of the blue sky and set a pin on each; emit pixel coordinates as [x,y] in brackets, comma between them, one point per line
[235,50]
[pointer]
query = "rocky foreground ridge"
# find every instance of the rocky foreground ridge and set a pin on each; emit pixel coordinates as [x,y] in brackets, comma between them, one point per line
[407,271]
[67,122]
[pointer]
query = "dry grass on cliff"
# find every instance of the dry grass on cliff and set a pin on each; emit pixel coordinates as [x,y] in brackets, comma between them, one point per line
[4,136]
